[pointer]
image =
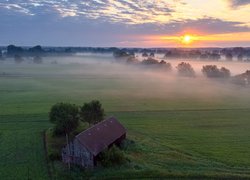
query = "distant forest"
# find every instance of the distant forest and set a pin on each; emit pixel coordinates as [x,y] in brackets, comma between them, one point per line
[234,53]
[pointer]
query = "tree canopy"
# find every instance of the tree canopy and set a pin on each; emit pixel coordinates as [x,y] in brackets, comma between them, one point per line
[92,112]
[185,69]
[65,116]
[212,71]
[13,50]
[120,54]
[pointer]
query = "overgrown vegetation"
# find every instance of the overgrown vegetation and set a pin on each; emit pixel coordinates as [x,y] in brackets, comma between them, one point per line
[112,157]
[56,143]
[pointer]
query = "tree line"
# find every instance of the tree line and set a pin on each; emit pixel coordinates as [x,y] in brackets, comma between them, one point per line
[238,53]
[215,54]
[183,69]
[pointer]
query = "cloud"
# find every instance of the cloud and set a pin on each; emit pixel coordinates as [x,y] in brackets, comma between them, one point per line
[16,8]
[209,26]
[200,26]
[237,3]
[125,11]
[130,12]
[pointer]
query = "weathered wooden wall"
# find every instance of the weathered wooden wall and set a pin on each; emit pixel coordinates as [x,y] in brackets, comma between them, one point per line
[76,153]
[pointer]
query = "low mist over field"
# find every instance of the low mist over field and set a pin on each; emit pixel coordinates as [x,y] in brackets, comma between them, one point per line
[135,81]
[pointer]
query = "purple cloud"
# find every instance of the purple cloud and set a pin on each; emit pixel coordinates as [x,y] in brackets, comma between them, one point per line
[236,3]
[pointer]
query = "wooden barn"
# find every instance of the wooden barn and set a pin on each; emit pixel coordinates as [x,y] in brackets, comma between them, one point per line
[86,146]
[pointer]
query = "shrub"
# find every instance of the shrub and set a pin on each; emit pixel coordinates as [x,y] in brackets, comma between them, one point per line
[54,156]
[126,144]
[112,156]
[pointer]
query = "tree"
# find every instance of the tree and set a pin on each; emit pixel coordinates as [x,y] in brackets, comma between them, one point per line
[173,54]
[65,116]
[225,73]
[168,54]
[165,65]
[240,57]
[92,112]
[132,60]
[242,79]
[1,55]
[18,59]
[37,60]
[194,54]
[144,54]
[152,54]
[149,61]
[185,69]
[215,56]
[13,50]
[36,49]
[132,54]
[204,56]
[229,56]
[212,71]
[120,54]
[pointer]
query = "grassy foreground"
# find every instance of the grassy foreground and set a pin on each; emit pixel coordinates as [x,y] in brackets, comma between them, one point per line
[181,128]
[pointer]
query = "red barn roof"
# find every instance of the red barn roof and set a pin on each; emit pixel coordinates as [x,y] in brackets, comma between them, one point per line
[100,136]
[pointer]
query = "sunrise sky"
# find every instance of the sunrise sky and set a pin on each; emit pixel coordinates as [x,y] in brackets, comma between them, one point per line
[125,23]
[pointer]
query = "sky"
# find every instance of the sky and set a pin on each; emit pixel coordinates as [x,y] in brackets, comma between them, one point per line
[125,23]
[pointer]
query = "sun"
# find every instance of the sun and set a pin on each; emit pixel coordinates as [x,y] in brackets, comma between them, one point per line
[186,39]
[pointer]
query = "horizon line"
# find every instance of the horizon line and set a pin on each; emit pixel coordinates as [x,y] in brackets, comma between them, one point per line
[127,47]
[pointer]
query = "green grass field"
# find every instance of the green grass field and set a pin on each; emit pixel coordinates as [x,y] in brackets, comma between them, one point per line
[190,128]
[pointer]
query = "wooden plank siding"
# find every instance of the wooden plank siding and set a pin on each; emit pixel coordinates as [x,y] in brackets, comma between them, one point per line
[87,145]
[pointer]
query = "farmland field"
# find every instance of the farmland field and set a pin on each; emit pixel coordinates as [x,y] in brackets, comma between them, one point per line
[182,127]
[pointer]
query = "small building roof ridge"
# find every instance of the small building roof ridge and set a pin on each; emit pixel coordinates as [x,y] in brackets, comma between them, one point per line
[101,135]
[95,125]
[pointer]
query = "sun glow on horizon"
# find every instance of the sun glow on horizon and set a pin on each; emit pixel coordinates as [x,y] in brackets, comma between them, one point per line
[186,39]
[196,39]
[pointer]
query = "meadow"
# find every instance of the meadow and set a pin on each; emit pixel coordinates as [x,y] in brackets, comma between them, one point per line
[182,127]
